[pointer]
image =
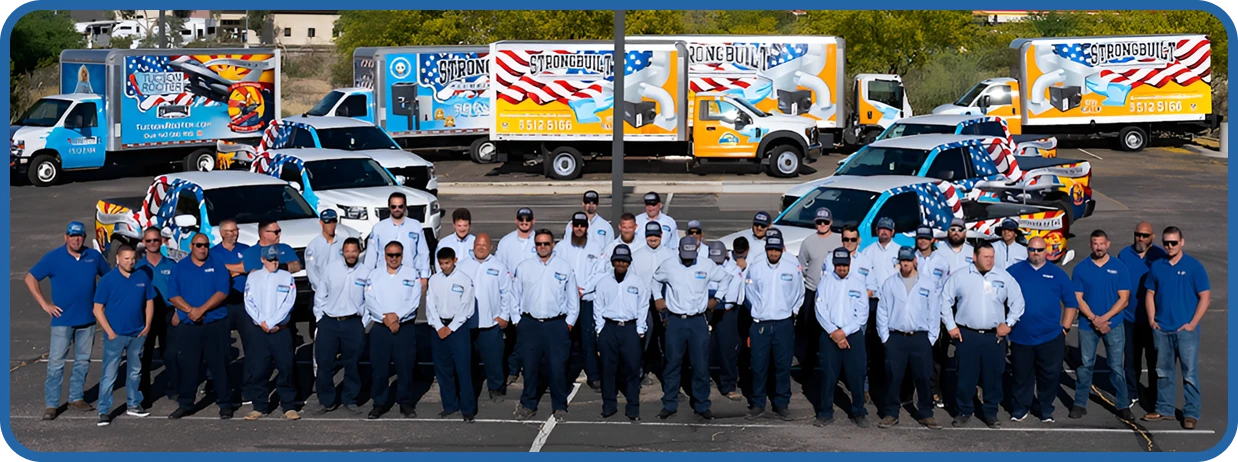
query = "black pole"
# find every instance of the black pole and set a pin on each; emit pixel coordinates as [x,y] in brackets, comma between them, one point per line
[163,30]
[616,156]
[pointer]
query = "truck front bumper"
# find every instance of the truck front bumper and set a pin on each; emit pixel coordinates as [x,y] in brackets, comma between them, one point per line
[18,164]
[814,152]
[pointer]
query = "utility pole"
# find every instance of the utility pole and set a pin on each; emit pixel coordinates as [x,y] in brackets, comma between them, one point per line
[616,155]
[163,30]
[245,33]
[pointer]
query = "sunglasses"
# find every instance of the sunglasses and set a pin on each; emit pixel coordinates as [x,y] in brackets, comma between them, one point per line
[199,245]
[152,240]
[397,207]
[1170,243]
[1035,250]
[851,239]
[760,226]
[395,255]
[577,225]
[524,220]
[544,244]
[956,229]
[694,231]
[274,231]
[1143,235]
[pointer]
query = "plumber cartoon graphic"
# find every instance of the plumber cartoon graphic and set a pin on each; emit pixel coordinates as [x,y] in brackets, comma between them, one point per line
[788,73]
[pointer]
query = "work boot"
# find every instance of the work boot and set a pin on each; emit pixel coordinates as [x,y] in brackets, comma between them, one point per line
[524,413]
[930,423]
[80,405]
[1077,412]
[887,422]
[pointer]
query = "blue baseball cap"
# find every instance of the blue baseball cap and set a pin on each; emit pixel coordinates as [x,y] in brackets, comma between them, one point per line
[653,228]
[773,232]
[329,216]
[694,224]
[591,197]
[717,251]
[924,232]
[75,228]
[958,222]
[823,214]
[773,242]
[842,256]
[270,253]
[906,254]
[761,218]
[885,222]
[1010,224]
[622,253]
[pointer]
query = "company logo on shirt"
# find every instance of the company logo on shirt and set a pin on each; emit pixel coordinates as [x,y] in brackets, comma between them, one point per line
[969,260]
[408,283]
[853,293]
[209,270]
[1047,276]
[412,235]
[999,284]
[165,272]
[601,232]
[1182,273]
[361,282]
[140,284]
[937,272]
[863,271]
[457,288]
[700,275]
[492,272]
[924,292]
[786,276]
[666,229]
[1112,271]
[282,289]
[560,276]
[633,291]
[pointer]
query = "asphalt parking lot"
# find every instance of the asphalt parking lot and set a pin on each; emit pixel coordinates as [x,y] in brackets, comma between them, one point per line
[1164,186]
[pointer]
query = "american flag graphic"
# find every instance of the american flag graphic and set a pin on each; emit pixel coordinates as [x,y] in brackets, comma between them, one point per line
[468,87]
[1192,62]
[276,135]
[153,213]
[514,83]
[939,202]
[157,64]
[723,76]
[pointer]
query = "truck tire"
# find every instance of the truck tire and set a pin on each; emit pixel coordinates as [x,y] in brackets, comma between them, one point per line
[1133,139]
[1068,207]
[201,160]
[564,163]
[785,161]
[44,170]
[483,151]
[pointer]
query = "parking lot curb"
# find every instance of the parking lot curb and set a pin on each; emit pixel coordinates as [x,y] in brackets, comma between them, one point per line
[1207,151]
[544,188]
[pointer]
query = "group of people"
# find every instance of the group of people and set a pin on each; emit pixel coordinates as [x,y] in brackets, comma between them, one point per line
[881,320]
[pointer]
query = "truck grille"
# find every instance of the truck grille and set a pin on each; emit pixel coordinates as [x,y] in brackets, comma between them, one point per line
[414,177]
[417,211]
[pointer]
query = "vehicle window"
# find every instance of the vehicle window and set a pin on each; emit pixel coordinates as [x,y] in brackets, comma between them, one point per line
[44,113]
[904,209]
[291,174]
[886,92]
[848,205]
[301,138]
[718,110]
[999,95]
[971,95]
[871,161]
[86,111]
[187,204]
[347,173]
[252,204]
[355,138]
[950,160]
[323,107]
[990,129]
[355,105]
[899,130]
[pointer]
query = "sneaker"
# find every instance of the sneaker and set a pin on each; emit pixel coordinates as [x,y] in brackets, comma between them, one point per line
[291,414]
[665,413]
[938,402]
[375,413]
[137,411]
[524,413]
[1018,418]
[1077,412]
[353,408]
[860,421]
[755,413]
[1047,420]
[707,415]
[960,421]
[560,414]
[735,395]
[178,413]
[445,414]
[606,415]
[323,410]
[226,413]
[1134,401]
[887,422]
[247,403]
[992,423]
[254,415]
[930,423]
[1189,423]
[49,413]
[513,378]
[408,412]
[468,418]
[80,405]
[104,420]
[1125,414]
[634,418]
[783,414]
[823,421]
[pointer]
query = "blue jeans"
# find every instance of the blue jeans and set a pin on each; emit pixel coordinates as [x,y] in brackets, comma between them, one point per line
[83,339]
[112,350]
[1115,351]
[1182,346]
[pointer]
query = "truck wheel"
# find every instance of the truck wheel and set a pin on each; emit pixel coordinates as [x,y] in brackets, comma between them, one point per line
[44,170]
[1068,207]
[1133,139]
[202,160]
[565,163]
[483,151]
[785,161]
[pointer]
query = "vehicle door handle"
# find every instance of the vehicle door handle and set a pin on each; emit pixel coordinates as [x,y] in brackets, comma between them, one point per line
[710,129]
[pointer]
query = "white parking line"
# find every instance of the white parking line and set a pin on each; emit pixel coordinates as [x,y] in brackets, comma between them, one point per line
[667,205]
[544,433]
[901,427]
[1093,155]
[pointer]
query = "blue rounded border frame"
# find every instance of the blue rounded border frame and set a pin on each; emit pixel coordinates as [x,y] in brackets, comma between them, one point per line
[1211,453]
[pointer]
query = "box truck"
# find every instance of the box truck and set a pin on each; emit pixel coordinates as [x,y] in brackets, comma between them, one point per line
[145,106]
[554,101]
[427,98]
[1127,88]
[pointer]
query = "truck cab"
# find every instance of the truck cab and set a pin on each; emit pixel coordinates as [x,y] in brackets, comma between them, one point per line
[964,161]
[881,99]
[991,97]
[727,127]
[57,133]
[982,125]
[354,102]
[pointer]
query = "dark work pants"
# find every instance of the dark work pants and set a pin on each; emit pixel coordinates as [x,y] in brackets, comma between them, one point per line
[453,361]
[620,346]
[850,364]
[345,338]
[686,336]
[724,348]
[239,320]
[772,338]
[1040,365]
[912,352]
[489,347]
[263,351]
[207,342]
[387,348]
[941,358]
[544,342]
[981,361]
[876,382]
[655,342]
[807,332]
[512,342]
[1143,355]
[584,341]
[160,331]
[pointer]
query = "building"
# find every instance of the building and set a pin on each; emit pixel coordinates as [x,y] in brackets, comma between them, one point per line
[290,27]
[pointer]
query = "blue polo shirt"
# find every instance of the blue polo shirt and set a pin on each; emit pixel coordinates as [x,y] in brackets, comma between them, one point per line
[1045,291]
[158,274]
[1138,269]
[1100,286]
[232,257]
[124,300]
[197,284]
[1177,289]
[253,257]
[73,283]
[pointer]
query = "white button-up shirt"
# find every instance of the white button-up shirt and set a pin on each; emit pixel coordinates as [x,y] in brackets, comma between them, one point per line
[269,296]
[586,262]
[935,267]
[984,301]
[670,231]
[841,303]
[546,289]
[513,249]
[599,230]
[732,294]
[884,261]
[687,287]
[410,234]
[320,253]
[450,297]
[341,290]
[492,288]
[904,311]
[775,291]
[462,247]
[646,261]
[958,260]
[1005,255]
[398,293]
[638,241]
[620,301]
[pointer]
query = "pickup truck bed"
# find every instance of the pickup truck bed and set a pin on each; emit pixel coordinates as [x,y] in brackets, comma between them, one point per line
[1028,163]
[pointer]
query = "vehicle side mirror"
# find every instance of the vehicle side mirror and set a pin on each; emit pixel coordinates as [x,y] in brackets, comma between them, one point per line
[948,175]
[400,179]
[185,221]
[342,111]
[74,121]
[741,121]
[984,103]
[295,185]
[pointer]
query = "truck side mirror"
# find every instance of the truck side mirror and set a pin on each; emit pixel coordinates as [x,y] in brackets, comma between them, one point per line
[73,121]
[295,185]
[400,179]
[947,175]
[984,103]
[185,221]
[342,111]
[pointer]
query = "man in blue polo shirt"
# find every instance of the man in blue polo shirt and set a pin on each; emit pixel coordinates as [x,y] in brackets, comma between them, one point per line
[1138,257]
[1103,286]
[1038,342]
[229,252]
[197,289]
[158,269]
[1178,297]
[73,269]
[251,258]
[125,308]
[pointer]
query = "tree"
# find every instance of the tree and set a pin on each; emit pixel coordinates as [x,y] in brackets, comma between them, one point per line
[260,22]
[39,37]
[892,41]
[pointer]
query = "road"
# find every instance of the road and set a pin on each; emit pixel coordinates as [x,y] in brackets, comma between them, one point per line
[1164,186]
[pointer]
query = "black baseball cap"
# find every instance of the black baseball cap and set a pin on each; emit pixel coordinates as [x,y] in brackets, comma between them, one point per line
[524,212]
[622,253]
[591,197]
[652,198]
[653,228]
[580,219]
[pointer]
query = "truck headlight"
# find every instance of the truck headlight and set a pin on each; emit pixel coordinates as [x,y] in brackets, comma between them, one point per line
[433,207]
[354,213]
[16,147]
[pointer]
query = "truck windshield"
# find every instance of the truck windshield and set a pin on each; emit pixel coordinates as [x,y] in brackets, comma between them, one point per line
[872,161]
[900,130]
[753,109]
[355,138]
[324,107]
[849,206]
[44,113]
[256,203]
[972,94]
[347,173]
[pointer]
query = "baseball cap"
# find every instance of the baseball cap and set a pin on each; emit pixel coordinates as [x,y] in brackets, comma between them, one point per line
[591,197]
[773,232]
[687,247]
[579,218]
[717,252]
[329,216]
[694,224]
[842,256]
[885,222]
[1010,224]
[622,253]
[652,198]
[773,242]
[75,228]
[761,218]
[958,222]
[924,232]
[823,214]
[524,212]
[653,228]
[906,254]
[270,253]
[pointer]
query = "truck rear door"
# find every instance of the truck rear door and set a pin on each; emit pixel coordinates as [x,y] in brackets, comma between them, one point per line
[715,133]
